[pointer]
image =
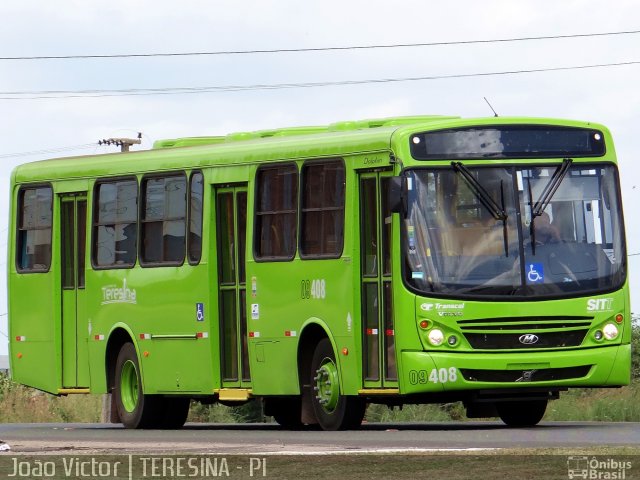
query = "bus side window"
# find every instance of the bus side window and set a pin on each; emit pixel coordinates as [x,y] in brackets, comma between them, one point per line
[276,212]
[163,220]
[34,229]
[322,219]
[115,223]
[196,192]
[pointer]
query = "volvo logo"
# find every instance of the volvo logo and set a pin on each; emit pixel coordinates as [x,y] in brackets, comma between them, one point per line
[528,339]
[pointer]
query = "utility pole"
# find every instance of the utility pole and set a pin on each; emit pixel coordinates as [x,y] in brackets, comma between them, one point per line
[123,143]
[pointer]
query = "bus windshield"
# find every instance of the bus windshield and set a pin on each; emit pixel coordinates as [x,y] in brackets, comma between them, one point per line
[515,231]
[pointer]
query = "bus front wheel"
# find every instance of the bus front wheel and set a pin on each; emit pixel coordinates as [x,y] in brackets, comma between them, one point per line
[333,410]
[135,409]
[521,414]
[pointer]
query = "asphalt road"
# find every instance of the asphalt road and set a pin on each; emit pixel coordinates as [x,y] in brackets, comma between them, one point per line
[247,439]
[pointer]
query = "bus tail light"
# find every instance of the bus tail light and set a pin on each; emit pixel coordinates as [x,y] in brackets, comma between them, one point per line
[424,324]
[619,318]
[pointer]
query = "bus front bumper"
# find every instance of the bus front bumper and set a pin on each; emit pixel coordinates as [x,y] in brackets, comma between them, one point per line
[439,371]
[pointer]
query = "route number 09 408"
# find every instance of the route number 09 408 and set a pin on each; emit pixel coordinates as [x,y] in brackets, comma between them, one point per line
[441,375]
[313,289]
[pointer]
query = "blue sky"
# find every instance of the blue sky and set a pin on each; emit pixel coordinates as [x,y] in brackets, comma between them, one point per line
[73,27]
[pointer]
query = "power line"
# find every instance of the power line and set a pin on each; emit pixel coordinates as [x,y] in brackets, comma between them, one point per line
[51,94]
[49,150]
[314,49]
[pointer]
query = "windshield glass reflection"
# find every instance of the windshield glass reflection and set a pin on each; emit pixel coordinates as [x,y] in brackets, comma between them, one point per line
[490,235]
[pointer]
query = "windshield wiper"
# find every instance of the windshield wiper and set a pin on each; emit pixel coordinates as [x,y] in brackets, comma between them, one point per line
[497,211]
[545,197]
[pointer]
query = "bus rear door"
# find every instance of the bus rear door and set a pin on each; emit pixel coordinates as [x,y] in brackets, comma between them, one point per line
[231,226]
[73,228]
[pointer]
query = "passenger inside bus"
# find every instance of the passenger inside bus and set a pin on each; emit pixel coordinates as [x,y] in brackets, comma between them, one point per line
[546,231]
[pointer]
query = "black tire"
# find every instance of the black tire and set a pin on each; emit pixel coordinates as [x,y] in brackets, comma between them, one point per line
[286,411]
[135,409]
[172,412]
[522,414]
[341,412]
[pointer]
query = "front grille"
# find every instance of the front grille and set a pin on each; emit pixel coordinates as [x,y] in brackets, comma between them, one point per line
[525,332]
[501,341]
[539,375]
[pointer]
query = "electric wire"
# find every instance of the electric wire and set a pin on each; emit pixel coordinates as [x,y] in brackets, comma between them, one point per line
[49,150]
[314,49]
[53,94]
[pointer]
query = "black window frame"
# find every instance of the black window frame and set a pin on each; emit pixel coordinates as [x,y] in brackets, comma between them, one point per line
[257,230]
[142,220]
[322,209]
[19,228]
[95,223]
[192,260]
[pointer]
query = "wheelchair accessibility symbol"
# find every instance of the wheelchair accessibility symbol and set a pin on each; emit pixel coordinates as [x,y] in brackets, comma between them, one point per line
[200,312]
[535,273]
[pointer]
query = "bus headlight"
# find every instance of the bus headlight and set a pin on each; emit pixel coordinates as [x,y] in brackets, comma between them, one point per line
[610,331]
[436,337]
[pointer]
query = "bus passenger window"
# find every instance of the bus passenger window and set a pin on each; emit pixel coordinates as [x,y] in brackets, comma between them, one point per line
[115,224]
[33,251]
[322,219]
[196,190]
[163,220]
[276,212]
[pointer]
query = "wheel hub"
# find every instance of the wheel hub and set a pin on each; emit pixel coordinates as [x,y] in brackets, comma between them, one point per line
[129,386]
[327,388]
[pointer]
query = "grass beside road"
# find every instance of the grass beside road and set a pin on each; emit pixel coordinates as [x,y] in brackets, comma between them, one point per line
[20,404]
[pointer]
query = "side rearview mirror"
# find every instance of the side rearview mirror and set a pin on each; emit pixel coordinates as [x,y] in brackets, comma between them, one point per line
[397,195]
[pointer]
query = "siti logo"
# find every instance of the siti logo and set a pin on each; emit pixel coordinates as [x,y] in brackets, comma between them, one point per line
[600,304]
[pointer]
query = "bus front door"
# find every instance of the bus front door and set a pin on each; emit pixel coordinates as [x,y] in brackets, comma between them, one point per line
[378,346]
[73,229]
[231,226]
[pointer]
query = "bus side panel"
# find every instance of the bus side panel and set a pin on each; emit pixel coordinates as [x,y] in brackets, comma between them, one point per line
[34,330]
[160,307]
[283,305]
[273,310]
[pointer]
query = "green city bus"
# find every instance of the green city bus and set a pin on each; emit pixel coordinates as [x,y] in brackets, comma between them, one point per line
[409,260]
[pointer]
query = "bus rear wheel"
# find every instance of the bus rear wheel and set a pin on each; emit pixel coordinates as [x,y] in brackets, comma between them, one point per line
[286,411]
[333,410]
[521,414]
[135,409]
